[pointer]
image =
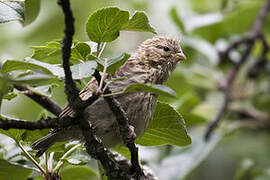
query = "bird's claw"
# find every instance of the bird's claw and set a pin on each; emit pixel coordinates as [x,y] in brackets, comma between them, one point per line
[132,133]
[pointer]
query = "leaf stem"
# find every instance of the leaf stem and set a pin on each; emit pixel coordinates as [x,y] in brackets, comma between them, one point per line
[98,49]
[50,162]
[101,50]
[113,94]
[43,171]
[103,75]
[61,161]
[46,160]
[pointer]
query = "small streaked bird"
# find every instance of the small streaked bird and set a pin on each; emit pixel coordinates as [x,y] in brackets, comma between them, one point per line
[151,64]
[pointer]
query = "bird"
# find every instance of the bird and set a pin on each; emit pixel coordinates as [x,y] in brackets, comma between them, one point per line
[152,63]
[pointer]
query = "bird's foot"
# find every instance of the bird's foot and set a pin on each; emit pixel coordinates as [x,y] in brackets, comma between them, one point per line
[132,133]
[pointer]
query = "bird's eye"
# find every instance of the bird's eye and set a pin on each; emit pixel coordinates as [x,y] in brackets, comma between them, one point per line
[166,49]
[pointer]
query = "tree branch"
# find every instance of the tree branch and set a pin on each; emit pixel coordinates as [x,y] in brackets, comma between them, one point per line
[260,63]
[44,101]
[71,89]
[251,36]
[249,41]
[93,146]
[7,124]
[126,131]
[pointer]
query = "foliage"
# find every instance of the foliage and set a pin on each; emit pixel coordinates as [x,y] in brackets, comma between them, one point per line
[205,29]
[26,12]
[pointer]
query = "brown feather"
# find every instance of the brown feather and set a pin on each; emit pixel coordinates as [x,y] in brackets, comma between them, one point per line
[150,64]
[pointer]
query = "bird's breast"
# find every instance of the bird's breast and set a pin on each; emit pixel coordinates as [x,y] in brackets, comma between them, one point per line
[139,107]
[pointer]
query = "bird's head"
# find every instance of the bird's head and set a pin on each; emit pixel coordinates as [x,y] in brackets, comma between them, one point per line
[161,53]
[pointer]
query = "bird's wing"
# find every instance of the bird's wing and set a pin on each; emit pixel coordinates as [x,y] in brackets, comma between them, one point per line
[92,85]
[85,93]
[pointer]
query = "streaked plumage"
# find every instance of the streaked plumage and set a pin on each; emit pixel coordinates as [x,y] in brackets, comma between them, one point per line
[151,64]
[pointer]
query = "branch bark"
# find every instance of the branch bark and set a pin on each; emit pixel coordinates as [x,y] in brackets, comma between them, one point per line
[71,89]
[127,132]
[7,124]
[94,147]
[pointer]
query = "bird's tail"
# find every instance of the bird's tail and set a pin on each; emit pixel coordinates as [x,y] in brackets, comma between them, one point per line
[44,143]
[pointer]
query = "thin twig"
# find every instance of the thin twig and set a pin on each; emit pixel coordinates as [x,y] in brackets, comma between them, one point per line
[100,51]
[127,131]
[71,89]
[93,147]
[50,162]
[61,160]
[101,84]
[43,171]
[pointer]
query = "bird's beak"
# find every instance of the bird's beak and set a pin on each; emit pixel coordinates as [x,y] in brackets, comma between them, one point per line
[181,56]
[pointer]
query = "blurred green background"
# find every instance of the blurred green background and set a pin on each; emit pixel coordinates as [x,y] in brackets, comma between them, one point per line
[204,27]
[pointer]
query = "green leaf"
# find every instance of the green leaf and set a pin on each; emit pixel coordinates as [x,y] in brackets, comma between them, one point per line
[79,71]
[51,52]
[236,22]
[80,51]
[11,65]
[177,20]
[167,127]
[6,82]
[10,96]
[11,11]
[35,80]
[83,70]
[10,171]
[139,22]
[31,136]
[104,25]
[3,151]
[112,64]
[158,89]
[79,157]
[32,8]
[123,150]
[25,12]
[44,90]
[78,172]
[5,86]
